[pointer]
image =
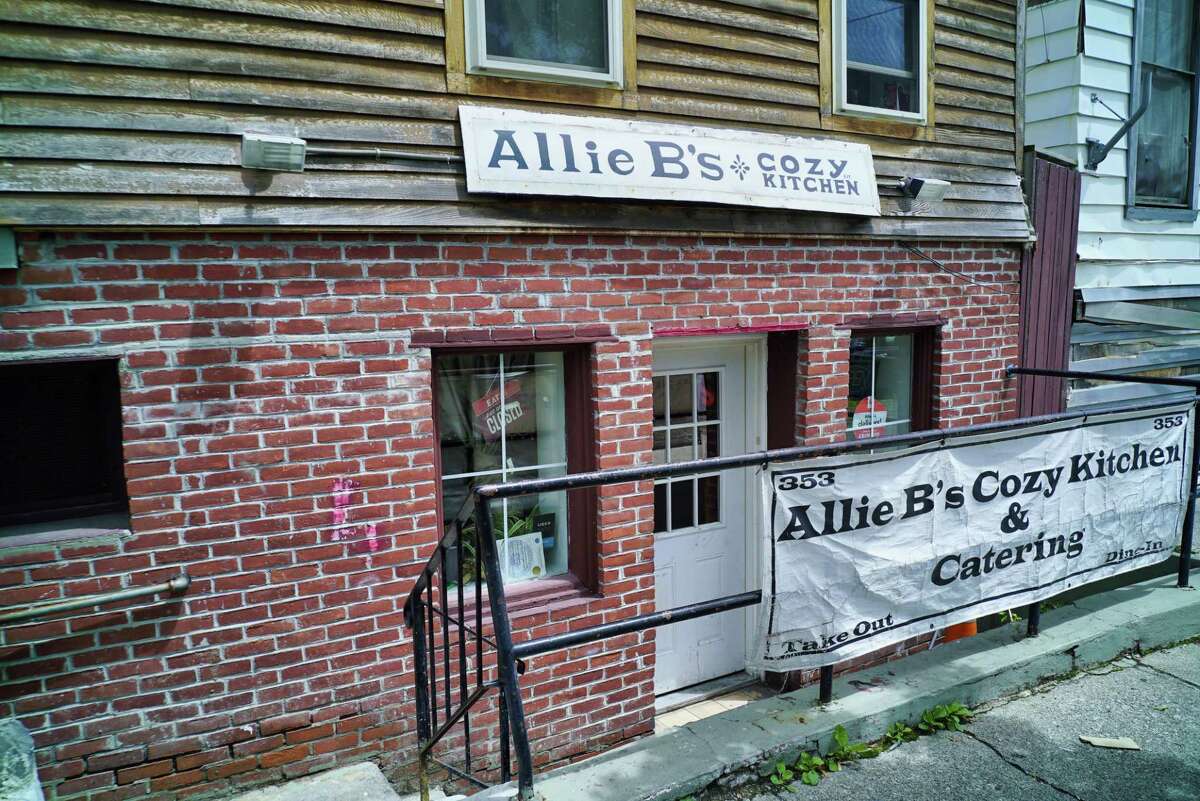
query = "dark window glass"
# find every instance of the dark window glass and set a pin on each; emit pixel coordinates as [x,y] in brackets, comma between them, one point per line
[60,444]
[566,33]
[1164,133]
[883,40]
[881,385]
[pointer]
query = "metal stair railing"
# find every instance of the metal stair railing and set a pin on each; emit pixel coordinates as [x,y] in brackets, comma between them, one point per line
[420,613]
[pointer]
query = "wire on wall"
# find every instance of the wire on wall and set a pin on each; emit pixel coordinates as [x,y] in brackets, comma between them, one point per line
[923,255]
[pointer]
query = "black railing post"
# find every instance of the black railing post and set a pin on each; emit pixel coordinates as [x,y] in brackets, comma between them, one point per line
[1189,517]
[416,619]
[826,684]
[1033,622]
[462,643]
[505,747]
[505,662]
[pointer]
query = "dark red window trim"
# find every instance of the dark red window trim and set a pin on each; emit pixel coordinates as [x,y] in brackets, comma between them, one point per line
[740,328]
[896,323]
[579,405]
[518,338]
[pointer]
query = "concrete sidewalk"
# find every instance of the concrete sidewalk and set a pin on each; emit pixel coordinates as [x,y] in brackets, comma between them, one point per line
[731,747]
[1028,749]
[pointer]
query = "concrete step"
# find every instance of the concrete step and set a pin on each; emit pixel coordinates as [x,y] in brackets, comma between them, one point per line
[360,782]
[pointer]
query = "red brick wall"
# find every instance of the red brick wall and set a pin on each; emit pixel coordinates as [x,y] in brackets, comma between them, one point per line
[260,369]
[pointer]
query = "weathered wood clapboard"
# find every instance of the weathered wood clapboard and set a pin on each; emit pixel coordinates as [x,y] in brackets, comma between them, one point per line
[130,112]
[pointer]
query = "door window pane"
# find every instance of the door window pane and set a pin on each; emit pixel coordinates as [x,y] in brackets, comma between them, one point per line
[501,416]
[686,408]
[708,500]
[881,385]
[566,33]
[708,396]
[683,504]
[883,40]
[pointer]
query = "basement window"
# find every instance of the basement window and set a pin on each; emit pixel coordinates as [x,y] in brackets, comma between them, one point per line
[60,446]
[568,41]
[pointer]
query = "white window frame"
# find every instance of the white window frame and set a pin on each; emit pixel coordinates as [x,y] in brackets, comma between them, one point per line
[480,63]
[840,64]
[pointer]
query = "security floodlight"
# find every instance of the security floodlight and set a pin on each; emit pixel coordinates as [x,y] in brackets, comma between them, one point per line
[266,152]
[925,190]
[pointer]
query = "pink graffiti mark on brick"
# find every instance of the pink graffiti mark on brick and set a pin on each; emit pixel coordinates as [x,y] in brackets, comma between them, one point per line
[366,535]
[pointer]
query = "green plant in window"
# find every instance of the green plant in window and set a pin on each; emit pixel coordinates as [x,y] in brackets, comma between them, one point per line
[519,523]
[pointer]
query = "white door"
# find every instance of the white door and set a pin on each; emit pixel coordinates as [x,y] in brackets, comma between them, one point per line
[701,523]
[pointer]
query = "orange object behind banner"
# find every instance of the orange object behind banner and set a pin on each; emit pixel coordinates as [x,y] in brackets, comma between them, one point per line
[959,631]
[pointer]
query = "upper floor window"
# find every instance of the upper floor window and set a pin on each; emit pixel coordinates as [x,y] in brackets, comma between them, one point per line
[569,41]
[1162,166]
[880,52]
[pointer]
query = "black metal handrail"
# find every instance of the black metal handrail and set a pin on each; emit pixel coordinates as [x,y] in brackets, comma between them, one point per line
[513,735]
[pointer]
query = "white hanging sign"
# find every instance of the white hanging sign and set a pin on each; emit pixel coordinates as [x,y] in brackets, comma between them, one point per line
[867,550]
[528,153]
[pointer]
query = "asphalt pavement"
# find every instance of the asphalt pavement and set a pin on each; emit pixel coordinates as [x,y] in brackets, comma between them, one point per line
[1027,748]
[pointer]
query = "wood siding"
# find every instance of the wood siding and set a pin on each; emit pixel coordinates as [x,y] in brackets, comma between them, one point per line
[1048,283]
[1077,48]
[130,113]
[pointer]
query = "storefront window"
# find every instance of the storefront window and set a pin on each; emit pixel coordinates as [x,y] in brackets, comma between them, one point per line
[502,416]
[881,385]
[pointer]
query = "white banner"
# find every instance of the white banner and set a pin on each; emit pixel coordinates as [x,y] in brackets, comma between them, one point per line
[528,153]
[868,550]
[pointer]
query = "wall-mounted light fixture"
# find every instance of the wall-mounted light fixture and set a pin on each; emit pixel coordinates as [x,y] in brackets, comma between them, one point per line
[267,152]
[924,190]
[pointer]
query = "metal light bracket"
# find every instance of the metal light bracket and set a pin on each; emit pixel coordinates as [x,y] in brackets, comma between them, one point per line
[1097,151]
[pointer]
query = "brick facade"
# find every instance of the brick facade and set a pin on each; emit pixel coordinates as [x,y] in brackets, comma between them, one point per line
[260,369]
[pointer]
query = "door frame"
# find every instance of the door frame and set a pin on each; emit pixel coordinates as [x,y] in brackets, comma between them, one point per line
[755,350]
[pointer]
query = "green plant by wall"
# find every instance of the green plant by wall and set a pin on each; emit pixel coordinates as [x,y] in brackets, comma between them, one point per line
[782,776]
[944,716]
[811,767]
[898,732]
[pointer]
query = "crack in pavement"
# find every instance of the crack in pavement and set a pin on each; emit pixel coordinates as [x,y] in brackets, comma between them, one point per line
[1019,767]
[1167,673]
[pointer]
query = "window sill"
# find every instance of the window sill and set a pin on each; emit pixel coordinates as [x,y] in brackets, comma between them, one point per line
[549,594]
[543,89]
[1154,214]
[851,122]
[524,600]
[107,528]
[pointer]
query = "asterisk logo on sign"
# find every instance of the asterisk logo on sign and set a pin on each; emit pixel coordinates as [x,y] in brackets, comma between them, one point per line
[740,167]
